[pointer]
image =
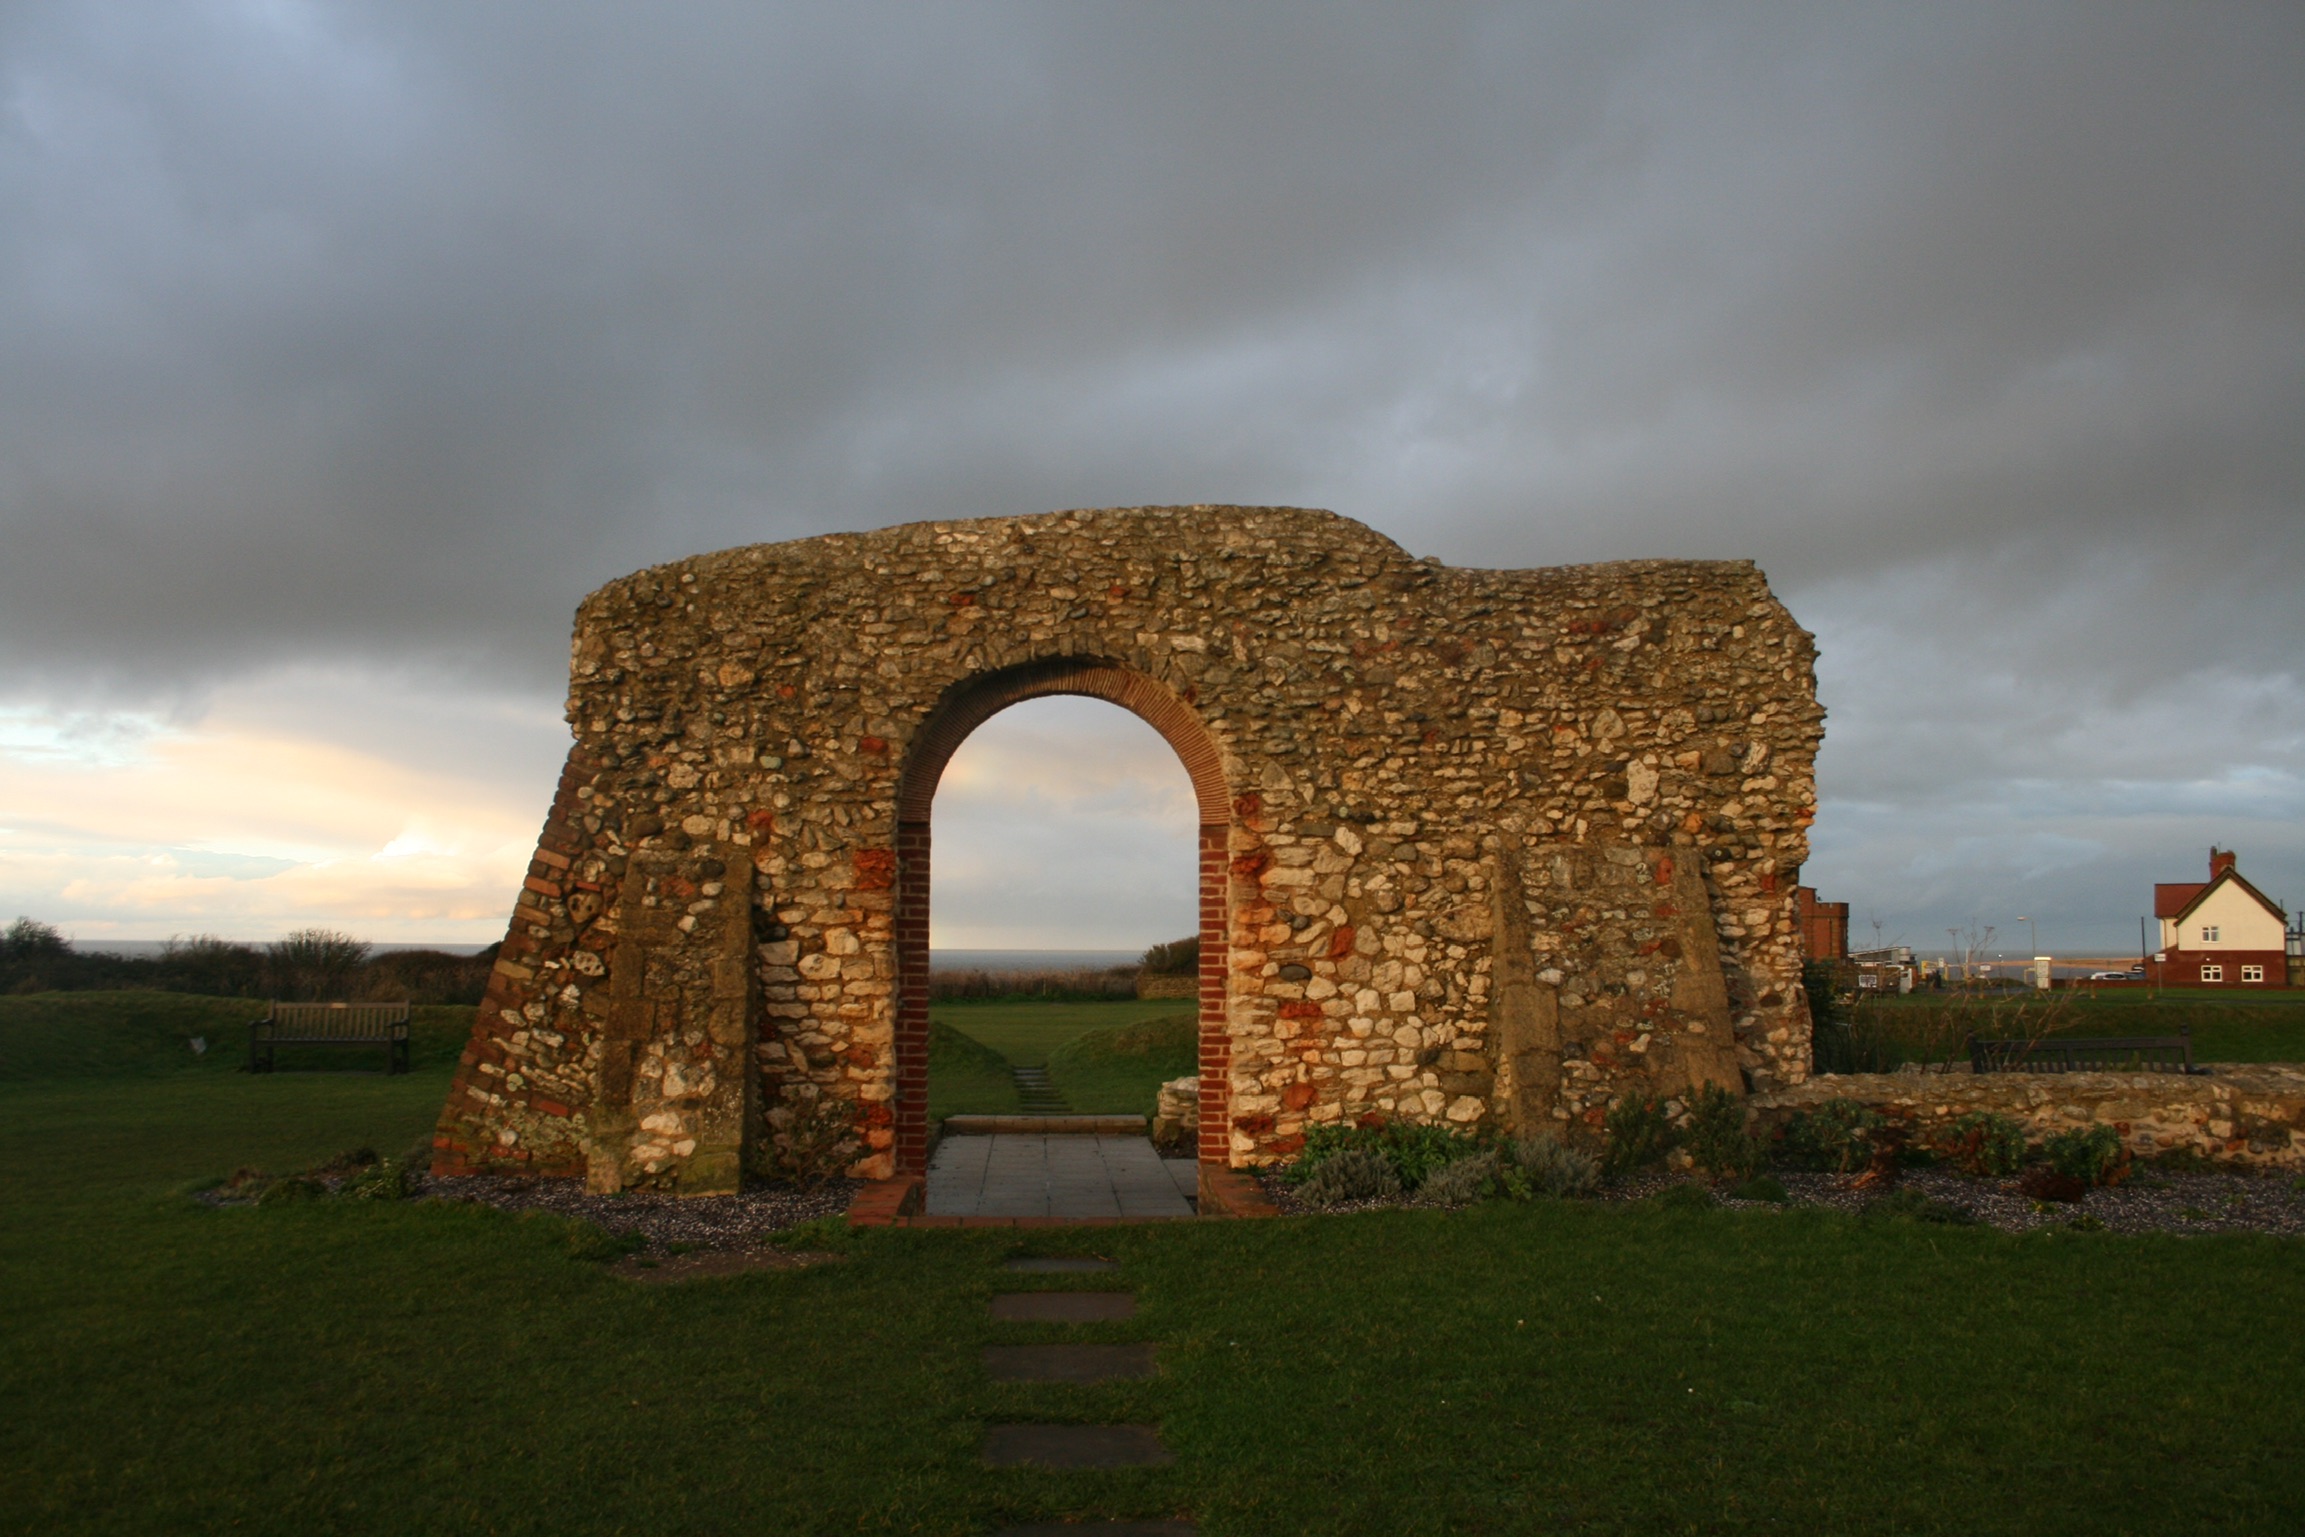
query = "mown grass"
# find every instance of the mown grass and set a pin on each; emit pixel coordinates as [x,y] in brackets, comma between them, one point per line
[359,1367]
[127,1034]
[1105,1058]
[367,1367]
[1932,1027]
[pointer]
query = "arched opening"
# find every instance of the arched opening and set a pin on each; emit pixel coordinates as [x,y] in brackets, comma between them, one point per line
[964,709]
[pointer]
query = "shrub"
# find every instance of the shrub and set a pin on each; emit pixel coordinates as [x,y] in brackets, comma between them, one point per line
[2094,1155]
[1639,1135]
[1839,1135]
[1352,1174]
[1682,1195]
[1985,1143]
[1543,1165]
[817,1141]
[1177,958]
[1414,1150]
[288,1192]
[1460,1183]
[1761,1187]
[1716,1138]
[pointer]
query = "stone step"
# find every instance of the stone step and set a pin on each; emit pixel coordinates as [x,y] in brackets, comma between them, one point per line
[1075,1446]
[1035,1094]
[1063,1307]
[1068,1363]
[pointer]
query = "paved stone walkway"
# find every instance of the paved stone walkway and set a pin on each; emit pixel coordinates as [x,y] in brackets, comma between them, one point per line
[1015,1174]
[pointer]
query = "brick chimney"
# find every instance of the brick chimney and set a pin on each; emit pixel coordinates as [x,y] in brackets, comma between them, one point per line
[2220,860]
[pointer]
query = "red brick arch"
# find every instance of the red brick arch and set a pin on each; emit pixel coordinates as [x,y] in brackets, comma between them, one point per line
[963,709]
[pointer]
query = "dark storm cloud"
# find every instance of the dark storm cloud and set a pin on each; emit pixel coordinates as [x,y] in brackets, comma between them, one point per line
[384,332]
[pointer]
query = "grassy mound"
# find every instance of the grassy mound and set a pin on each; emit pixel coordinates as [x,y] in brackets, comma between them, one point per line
[1119,1072]
[966,1077]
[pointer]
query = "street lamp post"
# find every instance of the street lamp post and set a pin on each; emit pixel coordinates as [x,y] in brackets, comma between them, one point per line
[2033,934]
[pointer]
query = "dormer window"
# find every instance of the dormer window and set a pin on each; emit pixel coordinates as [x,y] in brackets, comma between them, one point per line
[2208,933]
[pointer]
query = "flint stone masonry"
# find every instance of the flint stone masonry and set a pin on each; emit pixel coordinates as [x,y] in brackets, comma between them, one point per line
[2251,1115]
[1476,847]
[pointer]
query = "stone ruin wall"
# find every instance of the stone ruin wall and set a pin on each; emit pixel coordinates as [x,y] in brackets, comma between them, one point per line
[1479,847]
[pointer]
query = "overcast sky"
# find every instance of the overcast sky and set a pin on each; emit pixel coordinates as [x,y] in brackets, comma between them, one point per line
[343,348]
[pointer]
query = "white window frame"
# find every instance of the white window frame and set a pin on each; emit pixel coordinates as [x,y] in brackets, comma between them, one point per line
[2208,933]
[2252,973]
[2212,973]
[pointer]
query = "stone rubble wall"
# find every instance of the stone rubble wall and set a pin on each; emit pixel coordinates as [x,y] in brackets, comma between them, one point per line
[2253,1114]
[1479,847]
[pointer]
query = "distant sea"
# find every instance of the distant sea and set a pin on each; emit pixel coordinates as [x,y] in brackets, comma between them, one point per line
[1031,960]
[938,960]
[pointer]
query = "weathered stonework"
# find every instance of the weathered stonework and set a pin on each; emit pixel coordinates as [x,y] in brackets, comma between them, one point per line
[2233,1114]
[1477,846]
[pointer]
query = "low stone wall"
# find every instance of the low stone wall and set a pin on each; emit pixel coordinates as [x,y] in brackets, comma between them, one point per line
[2251,1114]
[1177,1117]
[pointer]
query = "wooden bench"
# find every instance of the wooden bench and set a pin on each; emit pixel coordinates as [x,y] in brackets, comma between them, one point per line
[2087,1054]
[370,1025]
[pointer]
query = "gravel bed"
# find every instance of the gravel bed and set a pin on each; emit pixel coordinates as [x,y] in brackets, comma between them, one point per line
[2151,1202]
[704,1221]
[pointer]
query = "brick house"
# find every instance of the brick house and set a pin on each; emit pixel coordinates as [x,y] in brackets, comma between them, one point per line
[1824,926]
[2222,932]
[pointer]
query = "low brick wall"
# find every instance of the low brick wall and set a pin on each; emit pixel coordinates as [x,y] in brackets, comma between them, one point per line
[2251,1114]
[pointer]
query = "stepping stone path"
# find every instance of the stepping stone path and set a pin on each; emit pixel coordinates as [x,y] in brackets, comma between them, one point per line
[1061,1447]
[1035,1095]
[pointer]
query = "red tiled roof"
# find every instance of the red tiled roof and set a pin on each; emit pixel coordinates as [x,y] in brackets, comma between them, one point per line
[2172,900]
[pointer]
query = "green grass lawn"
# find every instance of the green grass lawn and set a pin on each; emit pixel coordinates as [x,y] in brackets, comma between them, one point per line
[1105,1058]
[2226,1027]
[1120,1071]
[364,1367]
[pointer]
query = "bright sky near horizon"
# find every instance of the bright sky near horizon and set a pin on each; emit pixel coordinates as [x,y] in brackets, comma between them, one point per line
[344,347]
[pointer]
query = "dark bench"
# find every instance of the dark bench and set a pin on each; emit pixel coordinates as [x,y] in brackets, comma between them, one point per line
[2087,1054]
[371,1025]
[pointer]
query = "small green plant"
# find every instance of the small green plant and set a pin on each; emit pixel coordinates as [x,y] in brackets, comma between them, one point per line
[1761,1187]
[1984,1143]
[378,1182]
[817,1141]
[2094,1155]
[1639,1135]
[1840,1135]
[1352,1174]
[292,1191]
[1913,1206]
[1543,1165]
[1682,1195]
[1716,1137]
[2087,1222]
[585,1240]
